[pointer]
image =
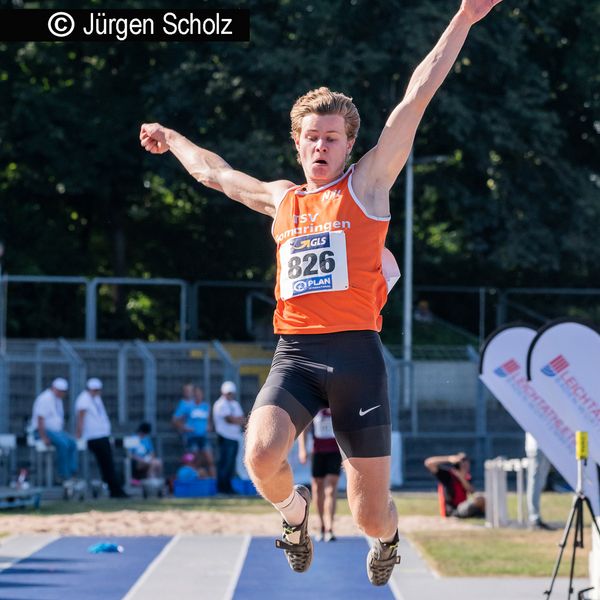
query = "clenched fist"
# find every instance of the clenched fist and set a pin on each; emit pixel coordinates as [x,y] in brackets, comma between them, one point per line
[153,137]
[475,10]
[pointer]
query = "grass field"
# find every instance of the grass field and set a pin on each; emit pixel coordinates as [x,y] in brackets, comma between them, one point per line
[451,551]
[500,552]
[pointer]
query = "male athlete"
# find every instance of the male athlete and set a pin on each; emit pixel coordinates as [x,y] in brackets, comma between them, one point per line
[330,290]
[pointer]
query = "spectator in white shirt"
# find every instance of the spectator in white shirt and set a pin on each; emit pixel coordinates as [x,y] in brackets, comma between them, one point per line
[48,419]
[228,418]
[93,425]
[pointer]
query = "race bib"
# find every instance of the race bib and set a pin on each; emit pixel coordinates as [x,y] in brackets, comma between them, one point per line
[313,263]
[323,427]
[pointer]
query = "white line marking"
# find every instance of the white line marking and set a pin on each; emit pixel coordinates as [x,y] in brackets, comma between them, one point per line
[151,568]
[36,543]
[395,589]
[418,552]
[237,568]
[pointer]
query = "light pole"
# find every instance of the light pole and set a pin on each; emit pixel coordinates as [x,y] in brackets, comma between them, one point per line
[408,269]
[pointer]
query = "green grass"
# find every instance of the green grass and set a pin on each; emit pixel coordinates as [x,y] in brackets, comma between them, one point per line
[499,552]
[503,552]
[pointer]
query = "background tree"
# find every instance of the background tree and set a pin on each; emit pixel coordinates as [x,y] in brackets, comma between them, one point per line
[516,204]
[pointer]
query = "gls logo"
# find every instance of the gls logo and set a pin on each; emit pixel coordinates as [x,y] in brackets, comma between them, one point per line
[310,242]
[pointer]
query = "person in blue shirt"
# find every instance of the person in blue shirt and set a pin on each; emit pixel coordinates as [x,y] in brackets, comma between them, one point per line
[187,396]
[192,419]
[145,464]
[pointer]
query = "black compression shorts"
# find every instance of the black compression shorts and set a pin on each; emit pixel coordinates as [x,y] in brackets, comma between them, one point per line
[326,463]
[343,371]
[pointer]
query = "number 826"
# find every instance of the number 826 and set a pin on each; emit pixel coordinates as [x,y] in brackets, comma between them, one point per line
[306,264]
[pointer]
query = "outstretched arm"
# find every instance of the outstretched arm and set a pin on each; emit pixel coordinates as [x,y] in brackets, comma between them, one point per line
[433,462]
[382,165]
[211,170]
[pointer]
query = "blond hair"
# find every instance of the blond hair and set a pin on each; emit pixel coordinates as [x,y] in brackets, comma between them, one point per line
[322,101]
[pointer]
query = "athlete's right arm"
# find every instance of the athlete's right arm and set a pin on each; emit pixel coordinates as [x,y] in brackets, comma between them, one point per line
[211,170]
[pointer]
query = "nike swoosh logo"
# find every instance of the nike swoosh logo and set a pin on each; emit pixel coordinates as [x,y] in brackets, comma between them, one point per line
[362,412]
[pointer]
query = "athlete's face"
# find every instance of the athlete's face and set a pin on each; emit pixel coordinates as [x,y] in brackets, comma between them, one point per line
[323,147]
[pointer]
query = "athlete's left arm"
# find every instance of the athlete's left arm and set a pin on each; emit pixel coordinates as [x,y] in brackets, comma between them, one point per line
[379,168]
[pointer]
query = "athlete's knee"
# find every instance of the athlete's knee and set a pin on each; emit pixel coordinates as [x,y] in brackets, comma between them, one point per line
[263,460]
[373,518]
[330,491]
[371,524]
[269,438]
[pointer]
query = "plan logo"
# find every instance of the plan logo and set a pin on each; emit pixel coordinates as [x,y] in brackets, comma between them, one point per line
[554,367]
[506,369]
[312,284]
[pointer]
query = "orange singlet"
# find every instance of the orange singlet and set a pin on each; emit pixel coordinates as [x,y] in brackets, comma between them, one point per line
[329,261]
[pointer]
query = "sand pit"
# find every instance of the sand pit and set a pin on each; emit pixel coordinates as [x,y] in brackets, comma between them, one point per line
[172,522]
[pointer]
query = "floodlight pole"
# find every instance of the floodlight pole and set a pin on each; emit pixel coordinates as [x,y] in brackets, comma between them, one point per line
[407,275]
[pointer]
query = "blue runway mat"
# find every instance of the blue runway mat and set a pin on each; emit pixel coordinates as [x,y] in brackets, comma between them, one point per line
[65,569]
[337,571]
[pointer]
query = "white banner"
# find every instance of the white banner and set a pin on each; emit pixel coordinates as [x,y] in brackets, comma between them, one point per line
[564,365]
[503,371]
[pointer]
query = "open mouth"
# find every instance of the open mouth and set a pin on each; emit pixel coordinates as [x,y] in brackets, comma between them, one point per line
[320,161]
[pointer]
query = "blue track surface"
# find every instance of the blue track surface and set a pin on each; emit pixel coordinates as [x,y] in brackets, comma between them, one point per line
[337,571]
[65,569]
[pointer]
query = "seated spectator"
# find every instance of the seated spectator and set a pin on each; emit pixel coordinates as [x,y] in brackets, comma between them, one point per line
[48,420]
[190,470]
[454,473]
[144,463]
[423,312]
[192,419]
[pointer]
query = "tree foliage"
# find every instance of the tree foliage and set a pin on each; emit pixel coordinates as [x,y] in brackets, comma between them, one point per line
[515,203]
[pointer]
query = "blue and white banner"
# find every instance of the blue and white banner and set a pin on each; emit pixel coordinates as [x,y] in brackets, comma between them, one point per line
[564,365]
[503,371]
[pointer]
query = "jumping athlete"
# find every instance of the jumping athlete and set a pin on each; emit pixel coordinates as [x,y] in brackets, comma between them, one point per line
[330,290]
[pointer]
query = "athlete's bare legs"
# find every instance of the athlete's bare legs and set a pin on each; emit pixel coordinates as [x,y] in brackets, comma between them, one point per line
[369,497]
[269,438]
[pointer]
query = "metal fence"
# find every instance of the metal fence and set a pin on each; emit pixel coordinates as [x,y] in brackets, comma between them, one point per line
[437,401]
[476,309]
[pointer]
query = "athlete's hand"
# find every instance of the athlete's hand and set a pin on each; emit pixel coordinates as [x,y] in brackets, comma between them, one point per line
[153,137]
[457,458]
[475,10]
